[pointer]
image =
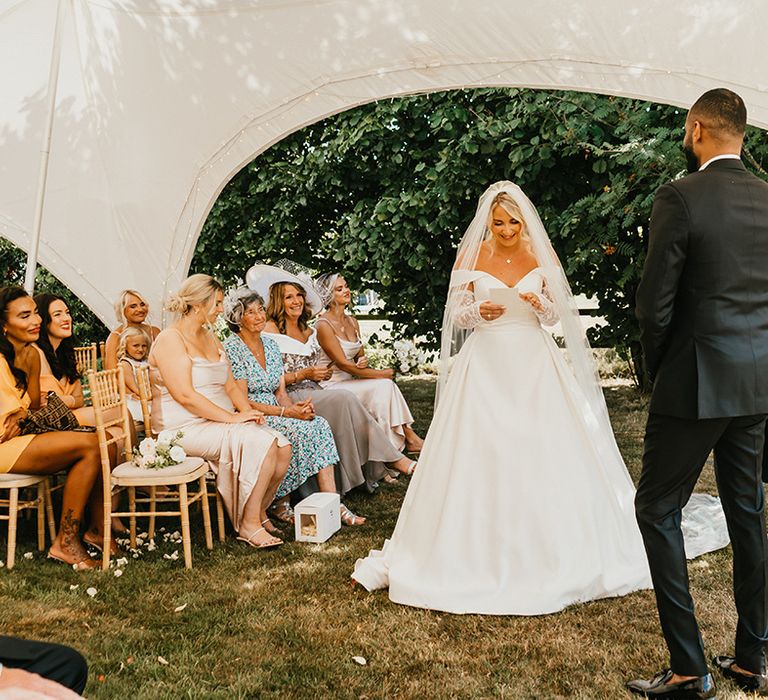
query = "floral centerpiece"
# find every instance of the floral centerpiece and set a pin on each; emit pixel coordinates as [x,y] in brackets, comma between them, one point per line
[162,452]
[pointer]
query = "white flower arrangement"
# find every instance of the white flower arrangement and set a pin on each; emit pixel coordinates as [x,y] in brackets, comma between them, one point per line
[163,452]
[407,356]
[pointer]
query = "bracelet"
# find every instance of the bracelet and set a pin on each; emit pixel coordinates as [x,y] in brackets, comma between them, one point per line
[282,411]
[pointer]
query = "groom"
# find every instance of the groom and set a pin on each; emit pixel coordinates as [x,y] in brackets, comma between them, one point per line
[702,304]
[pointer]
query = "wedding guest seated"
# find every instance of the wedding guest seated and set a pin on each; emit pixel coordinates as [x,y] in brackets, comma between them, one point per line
[77,453]
[258,367]
[364,449]
[342,348]
[132,352]
[40,669]
[56,345]
[58,371]
[131,310]
[197,395]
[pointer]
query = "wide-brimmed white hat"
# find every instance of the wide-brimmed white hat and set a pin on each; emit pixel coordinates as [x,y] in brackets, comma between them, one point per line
[260,278]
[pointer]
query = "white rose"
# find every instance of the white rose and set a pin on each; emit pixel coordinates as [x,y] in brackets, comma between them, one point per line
[147,448]
[165,437]
[177,454]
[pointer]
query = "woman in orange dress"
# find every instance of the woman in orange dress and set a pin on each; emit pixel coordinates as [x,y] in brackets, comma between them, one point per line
[77,453]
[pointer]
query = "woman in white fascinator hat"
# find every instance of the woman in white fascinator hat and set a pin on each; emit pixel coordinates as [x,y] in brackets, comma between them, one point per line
[364,448]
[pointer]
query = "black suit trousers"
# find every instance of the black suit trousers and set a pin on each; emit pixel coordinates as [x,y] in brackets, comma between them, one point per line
[52,661]
[675,452]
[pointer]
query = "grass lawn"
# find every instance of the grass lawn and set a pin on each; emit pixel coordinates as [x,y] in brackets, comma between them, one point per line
[286,623]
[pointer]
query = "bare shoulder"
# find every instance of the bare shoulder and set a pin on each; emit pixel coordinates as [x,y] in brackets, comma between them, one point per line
[271,327]
[168,339]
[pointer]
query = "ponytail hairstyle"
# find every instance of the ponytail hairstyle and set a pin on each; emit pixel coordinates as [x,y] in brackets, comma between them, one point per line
[197,290]
[129,332]
[62,359]
[8,295]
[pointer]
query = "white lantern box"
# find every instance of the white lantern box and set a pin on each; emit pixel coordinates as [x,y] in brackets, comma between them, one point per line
[317,517]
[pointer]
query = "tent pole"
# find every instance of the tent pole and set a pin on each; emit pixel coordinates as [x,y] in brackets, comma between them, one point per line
[53,83]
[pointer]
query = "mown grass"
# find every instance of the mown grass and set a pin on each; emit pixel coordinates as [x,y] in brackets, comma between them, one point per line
[286,623]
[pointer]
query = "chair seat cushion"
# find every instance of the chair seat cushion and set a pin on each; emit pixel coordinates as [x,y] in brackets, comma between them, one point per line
[9,481]
[176,473]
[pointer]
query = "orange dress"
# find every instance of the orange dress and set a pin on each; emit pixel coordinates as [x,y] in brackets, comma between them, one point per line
[12,400]
[63,387]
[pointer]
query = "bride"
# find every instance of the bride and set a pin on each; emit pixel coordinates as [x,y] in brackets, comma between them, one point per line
[521,504]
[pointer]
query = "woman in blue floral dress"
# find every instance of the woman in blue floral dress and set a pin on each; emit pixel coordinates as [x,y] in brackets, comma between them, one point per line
[257,366]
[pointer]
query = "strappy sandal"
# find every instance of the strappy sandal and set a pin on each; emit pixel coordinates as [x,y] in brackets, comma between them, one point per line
[349,518]
[270,527]
[87,564]
[112,544]
[276,541]
[283,513]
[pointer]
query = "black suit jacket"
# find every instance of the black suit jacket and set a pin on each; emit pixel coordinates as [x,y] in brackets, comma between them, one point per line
[702,302]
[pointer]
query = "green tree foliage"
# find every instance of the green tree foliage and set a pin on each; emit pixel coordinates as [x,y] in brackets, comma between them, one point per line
[385,191]
[87,327]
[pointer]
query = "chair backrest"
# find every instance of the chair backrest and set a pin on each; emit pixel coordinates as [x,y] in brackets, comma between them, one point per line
[144,383]
[85,357]
[102,353]
[111,411]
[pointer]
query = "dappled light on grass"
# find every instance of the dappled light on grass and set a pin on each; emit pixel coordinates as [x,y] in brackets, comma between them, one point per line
[288,623]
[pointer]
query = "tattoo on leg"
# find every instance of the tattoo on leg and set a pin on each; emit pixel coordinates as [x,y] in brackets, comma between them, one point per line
[70,530]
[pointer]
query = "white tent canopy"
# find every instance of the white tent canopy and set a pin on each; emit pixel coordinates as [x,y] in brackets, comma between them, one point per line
[161,102]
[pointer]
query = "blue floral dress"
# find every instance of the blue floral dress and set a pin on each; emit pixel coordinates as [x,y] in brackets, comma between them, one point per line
[311,440]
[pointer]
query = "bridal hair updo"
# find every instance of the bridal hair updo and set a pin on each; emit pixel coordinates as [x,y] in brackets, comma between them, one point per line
[509,205]
[276,308]
[196,290]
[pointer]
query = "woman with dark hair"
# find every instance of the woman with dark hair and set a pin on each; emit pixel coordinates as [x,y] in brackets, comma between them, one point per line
[56,344]
[77,453]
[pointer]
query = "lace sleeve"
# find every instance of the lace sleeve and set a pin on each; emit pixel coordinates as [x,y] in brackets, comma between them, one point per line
[548,317]
[466,311]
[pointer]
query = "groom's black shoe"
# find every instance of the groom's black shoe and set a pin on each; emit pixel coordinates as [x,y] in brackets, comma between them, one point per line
[660,687]
[752,684]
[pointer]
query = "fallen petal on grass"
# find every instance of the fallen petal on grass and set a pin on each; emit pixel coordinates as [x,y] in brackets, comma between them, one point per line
[360,660]
[91,591]
[180,608]
[162,661]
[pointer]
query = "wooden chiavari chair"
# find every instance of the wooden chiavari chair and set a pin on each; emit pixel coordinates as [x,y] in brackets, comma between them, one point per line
[108,391]
[144,383]
[16,485]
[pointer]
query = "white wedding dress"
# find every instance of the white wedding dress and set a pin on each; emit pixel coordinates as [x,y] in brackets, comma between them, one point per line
[516,508]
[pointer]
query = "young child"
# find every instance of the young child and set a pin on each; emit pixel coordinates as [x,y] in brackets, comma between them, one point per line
[132,353]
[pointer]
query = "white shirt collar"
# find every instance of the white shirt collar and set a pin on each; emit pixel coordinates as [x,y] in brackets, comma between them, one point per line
[724,156]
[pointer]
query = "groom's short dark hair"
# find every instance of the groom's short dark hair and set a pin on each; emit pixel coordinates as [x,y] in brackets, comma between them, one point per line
[721,110]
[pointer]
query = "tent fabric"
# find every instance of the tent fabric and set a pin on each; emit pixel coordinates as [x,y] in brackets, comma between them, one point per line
[161,102]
